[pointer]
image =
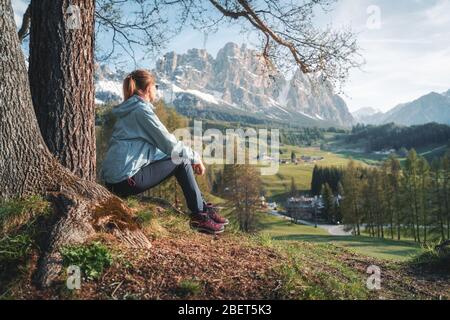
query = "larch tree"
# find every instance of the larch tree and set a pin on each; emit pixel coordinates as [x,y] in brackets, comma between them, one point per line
[446,189]
[424,198]
[245,196]
[389,195]
[437,198]
[369,198]
[412,184]
[395,174]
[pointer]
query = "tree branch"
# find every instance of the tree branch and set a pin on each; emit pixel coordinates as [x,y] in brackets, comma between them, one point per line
[226,12]
[288,35]
[270,33]
[26,23]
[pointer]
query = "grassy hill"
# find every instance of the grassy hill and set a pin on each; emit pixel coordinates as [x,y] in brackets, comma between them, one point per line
[283,230]
[348,151]
[183,264]
[277,186]
[368,144]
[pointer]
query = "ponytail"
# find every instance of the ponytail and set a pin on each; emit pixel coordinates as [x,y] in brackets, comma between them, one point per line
[129,87]
[138,80]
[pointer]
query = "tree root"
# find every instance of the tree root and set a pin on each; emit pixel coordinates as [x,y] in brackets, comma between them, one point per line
[81,212]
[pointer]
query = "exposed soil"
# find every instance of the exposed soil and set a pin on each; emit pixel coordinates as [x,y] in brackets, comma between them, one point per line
[221,267]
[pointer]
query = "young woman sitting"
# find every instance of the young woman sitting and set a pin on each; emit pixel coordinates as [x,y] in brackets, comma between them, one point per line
[140,154]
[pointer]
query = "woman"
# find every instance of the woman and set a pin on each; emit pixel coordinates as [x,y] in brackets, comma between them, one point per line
[140,153]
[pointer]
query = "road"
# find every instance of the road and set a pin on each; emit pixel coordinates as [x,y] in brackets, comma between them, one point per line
[334,230]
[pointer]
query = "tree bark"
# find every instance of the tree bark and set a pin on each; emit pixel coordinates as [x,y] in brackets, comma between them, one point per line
[61,74]
[82,208]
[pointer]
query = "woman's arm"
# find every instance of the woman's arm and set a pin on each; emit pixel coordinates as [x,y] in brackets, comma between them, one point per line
[155,131]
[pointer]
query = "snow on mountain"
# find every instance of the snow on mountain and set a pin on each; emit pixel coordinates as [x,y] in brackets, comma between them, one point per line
[366,115]
[447,94]
[364,112]
[233,85]
[235,78]
[108,85]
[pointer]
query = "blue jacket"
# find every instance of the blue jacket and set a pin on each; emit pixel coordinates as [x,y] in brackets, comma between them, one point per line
[138,139]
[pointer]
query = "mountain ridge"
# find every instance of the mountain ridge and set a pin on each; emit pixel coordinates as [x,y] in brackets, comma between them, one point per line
[233,86]
[432,107]
[235,81]
[363,114]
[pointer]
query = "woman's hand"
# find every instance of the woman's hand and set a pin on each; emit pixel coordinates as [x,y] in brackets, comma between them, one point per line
[199,168]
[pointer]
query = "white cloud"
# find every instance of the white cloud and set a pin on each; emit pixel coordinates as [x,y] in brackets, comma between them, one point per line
[439,13]
[406,58]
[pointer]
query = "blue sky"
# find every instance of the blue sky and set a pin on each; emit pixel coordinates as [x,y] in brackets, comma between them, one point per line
[406,45]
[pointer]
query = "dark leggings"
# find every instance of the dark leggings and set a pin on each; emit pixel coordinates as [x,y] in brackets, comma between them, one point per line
[157,172]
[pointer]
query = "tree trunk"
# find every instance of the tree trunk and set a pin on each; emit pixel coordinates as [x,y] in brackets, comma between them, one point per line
[63,98]
[82,208]
[399,215]
[391,219]
[438,200]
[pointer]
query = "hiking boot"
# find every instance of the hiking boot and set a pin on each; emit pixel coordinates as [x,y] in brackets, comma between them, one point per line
[203,223]
[214,214]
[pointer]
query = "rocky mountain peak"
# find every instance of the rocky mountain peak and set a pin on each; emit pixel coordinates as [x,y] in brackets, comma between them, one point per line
[236,82]
[104,73]
[236,79]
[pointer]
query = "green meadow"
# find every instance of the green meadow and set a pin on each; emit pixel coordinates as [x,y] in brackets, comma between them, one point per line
[277,186]
[283,230]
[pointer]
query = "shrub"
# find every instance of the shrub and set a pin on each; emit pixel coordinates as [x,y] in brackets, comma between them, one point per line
[188,288]
[132,202]
[15,249]
[145,217]
[434,259]
[15,213]
[18,232]
[92,259]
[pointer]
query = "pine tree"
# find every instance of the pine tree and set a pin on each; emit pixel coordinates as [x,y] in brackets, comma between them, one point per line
[315,182]
[329,203]
[293,190]
[293,157]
